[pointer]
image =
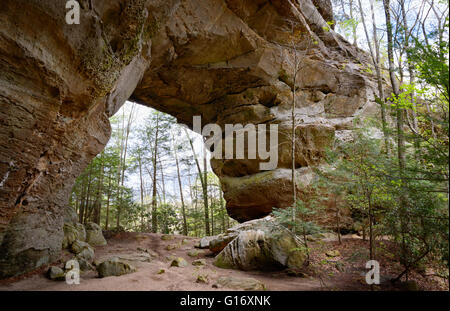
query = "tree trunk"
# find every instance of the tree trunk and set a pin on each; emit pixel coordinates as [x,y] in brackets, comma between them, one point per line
[98,205]
[355,37]
[375,55]
[141,185]
[400,123]
[183,211]
[205,191]
[155,151]
[108,199]
[204,181]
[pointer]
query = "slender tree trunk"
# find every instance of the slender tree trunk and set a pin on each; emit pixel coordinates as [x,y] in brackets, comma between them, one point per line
[119,171]
[224,211]
[371,246]
[375,54]
[411,77]
[98,205]
[355,37]
[400,135]
[338,220]
[162,181]
[155,152]
[379,79]
[205,191]
[294,185]
[127,134]
[204,181]
[211,207]
[141,190]
[183,210]
[108,199]
[82,199]
[88,194]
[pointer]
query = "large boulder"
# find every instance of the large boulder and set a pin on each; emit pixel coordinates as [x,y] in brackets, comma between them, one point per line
[94,235]
[218,242]
[73,232]
[262,245]
[114,267]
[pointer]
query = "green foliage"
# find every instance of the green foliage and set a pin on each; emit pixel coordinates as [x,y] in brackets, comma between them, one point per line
[300,225]
[431,63]
[369,181]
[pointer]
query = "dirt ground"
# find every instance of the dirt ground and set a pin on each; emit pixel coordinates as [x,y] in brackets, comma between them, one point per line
[345,271]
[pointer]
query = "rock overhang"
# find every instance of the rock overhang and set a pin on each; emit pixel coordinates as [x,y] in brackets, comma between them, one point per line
[226,60]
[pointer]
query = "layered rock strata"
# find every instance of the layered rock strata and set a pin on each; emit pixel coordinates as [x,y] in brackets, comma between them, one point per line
[229,61]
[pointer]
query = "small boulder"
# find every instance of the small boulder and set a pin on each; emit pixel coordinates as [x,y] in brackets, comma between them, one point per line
[179,262]
[202,278]
[94,235]
[78,246]
[204,242]
[56,273]
[114,267]
[86,254]
[195,253]
[84,264]
[172,247]
[141,237]
[150,252]
[311,238]
[240,283]
[333,253]
[167,237]
[199,262]
[170,257]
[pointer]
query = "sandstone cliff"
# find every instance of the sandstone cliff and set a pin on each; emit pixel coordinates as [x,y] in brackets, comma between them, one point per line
[226,60]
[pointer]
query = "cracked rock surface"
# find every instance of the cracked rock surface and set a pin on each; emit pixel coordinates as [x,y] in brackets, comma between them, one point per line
[226,60]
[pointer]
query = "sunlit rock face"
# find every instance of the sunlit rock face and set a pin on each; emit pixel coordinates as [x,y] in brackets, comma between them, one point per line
[226,60]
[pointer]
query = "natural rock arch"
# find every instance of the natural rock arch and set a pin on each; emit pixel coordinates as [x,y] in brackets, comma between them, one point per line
[221,59]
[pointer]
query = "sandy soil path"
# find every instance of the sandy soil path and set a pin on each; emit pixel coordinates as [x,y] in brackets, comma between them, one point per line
[147,277]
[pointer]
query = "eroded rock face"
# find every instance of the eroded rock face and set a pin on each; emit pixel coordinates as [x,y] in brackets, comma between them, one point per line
[226,60]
